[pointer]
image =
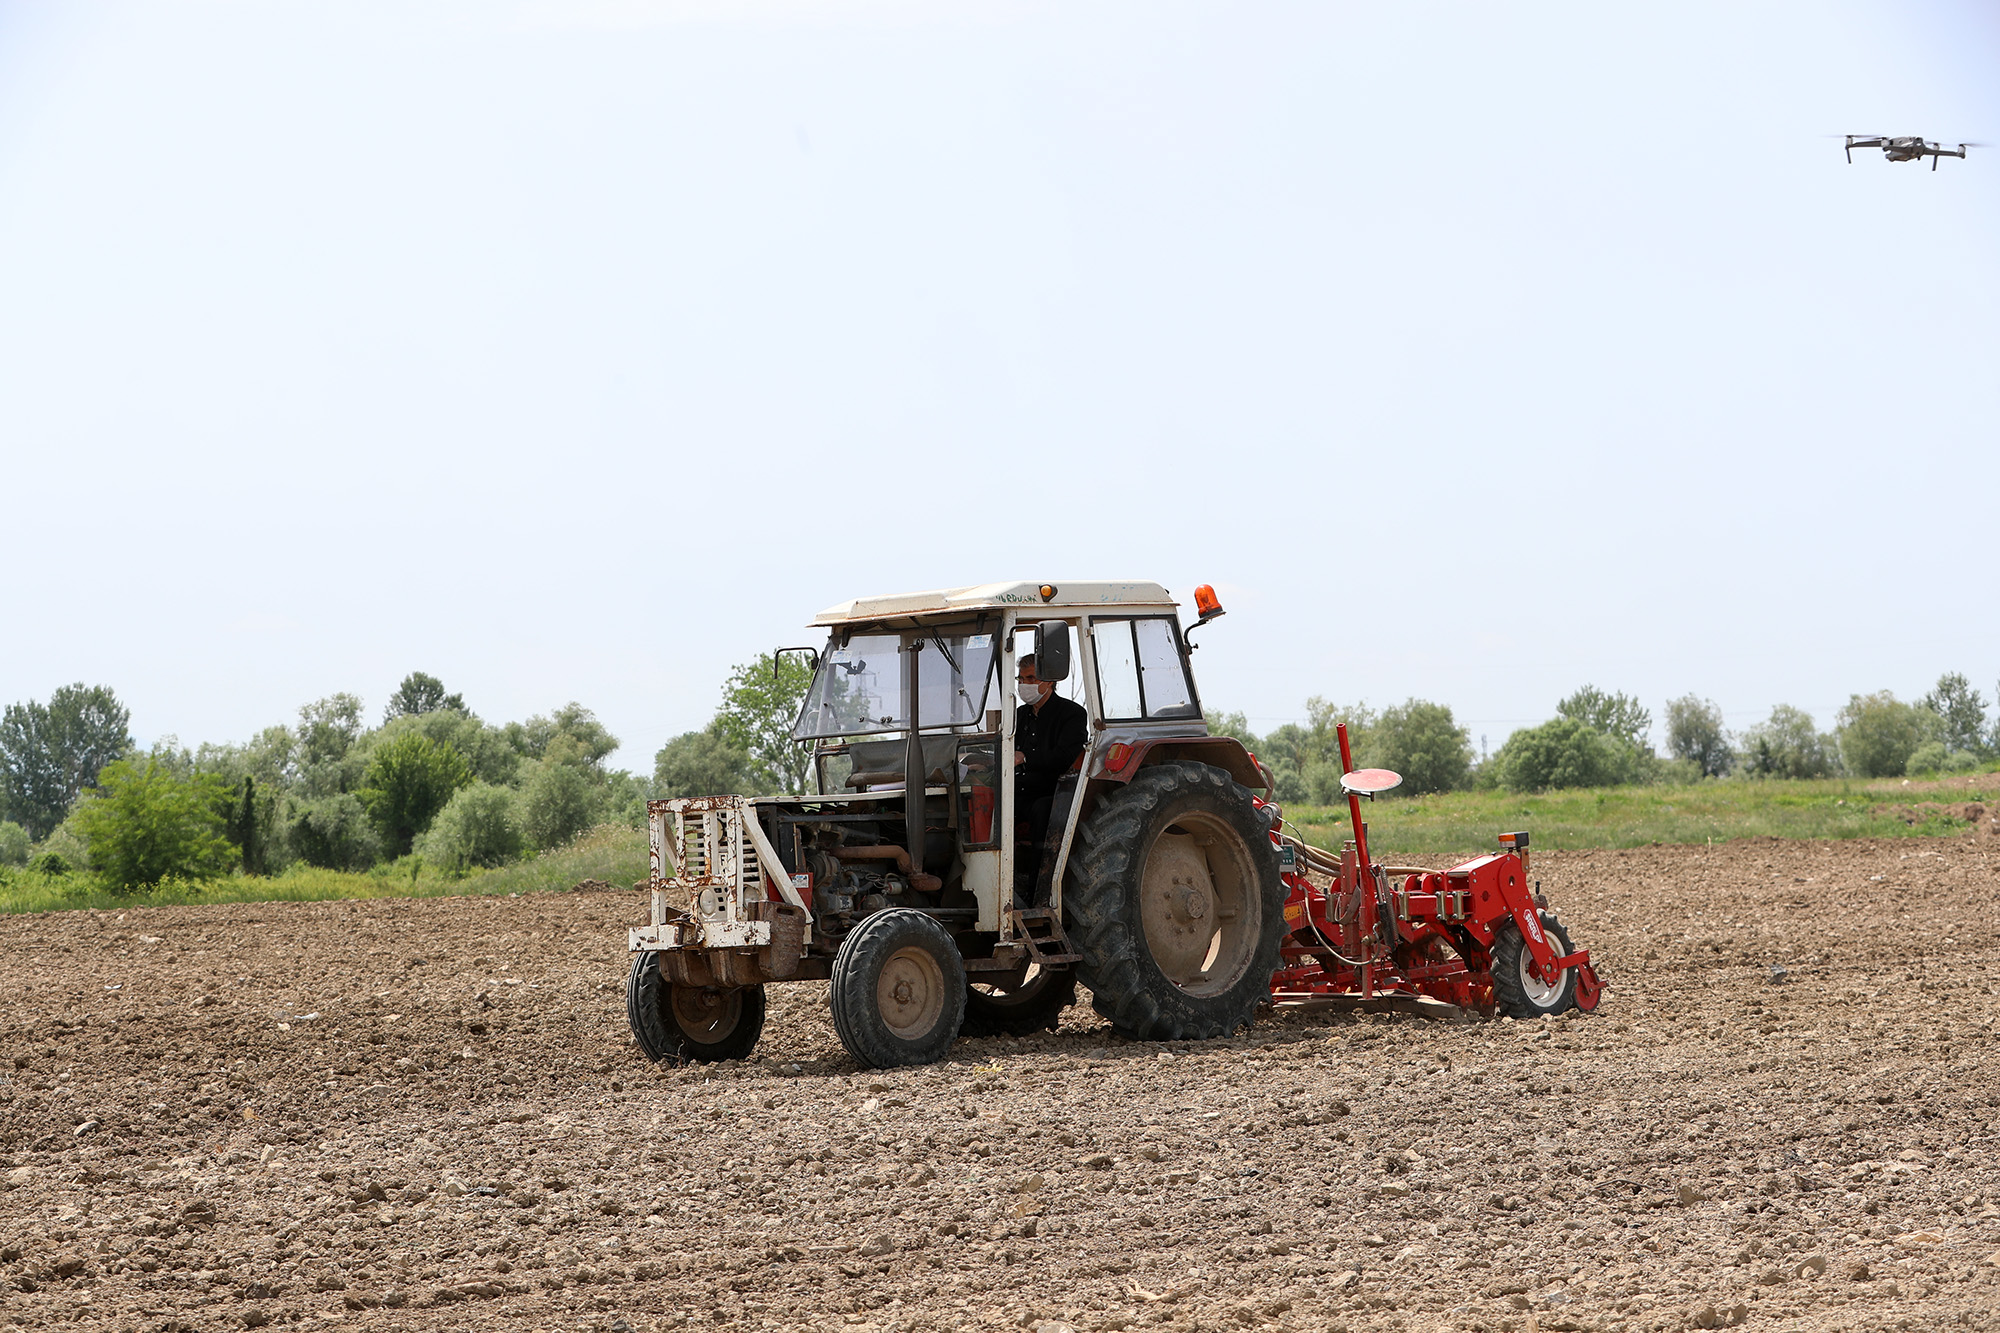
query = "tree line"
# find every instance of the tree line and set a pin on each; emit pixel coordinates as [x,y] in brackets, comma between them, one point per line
[1601,739]
[434,784]
[431,783]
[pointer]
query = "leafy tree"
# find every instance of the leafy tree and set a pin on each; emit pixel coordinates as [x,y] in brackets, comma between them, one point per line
[150,822]
[492,757]
[558,801]
[1616,715]
[1423,742]
[478,827]
[1235,725]
[759,705]
[334,832]
[328,728]
[571,735]
[420,693]
[325,758]
[410,778]
[242,828]
[1789,745]
[1304,759]
[1565,752]
[1879,732]
[1961,713]
[1695,734]
[51,753]
[701,763]
[623,799]
[13,844]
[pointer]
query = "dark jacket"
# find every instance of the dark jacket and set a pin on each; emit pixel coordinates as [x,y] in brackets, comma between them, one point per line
[1050,741]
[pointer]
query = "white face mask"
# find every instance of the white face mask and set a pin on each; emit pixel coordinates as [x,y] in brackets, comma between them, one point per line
[1030,694]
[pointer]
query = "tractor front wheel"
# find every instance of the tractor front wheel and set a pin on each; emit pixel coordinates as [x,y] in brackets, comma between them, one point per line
[684,1023]
[1175,902]
[1517,991]
[898,992]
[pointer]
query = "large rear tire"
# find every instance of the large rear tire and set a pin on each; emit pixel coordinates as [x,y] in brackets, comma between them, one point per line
[1519,993]
[683,1023]
[898,992]
[1176,904]
[996,1010]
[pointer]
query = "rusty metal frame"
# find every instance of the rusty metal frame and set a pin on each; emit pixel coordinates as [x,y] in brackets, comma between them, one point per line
[697,845]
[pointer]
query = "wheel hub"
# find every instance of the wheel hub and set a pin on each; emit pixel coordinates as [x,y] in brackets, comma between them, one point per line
[706,1014]
[1540,992]
[1198,912]
[1189,901]
[910,993]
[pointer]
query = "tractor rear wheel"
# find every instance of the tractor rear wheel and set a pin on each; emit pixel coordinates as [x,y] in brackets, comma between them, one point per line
[683,1023]
[1175,902]
[898,992]
[995,1009]
[1518,992]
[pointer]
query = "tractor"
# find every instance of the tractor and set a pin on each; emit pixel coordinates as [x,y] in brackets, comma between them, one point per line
[907,878]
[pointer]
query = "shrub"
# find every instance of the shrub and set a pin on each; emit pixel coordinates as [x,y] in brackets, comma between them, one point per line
[1566,752]
[1926,759]
[1421,741]
[1789,745]
[13,844]
[1321,782]
[1694,733]
[477,827]
[1962,761]
[151,821]
[1879,732]
[334,833]
[52,864]
[701,763]
[410,778]
[558,802]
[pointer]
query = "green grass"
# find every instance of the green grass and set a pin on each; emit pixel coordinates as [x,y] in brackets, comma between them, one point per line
[1467,822]
[610,853]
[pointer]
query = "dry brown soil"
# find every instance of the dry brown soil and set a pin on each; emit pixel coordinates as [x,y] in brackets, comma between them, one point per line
[428,1115]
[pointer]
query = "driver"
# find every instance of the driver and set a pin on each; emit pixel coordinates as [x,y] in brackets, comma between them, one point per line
[1049,734]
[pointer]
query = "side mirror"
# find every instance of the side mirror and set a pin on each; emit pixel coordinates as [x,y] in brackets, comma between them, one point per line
[1052,650]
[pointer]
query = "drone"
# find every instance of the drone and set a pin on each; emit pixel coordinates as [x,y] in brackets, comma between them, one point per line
[1903,150]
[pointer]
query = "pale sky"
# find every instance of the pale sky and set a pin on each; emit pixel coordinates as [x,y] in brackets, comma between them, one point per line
[578,351]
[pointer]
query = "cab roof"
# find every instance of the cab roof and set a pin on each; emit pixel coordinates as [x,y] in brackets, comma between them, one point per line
[940,602]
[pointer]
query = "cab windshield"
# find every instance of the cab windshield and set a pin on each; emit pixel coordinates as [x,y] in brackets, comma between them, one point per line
[862,687]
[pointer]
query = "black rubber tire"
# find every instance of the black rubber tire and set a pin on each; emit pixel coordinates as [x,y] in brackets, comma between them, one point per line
[1510,995]
[904,937]
[1102,903]
[662,1035]
[1036,1006]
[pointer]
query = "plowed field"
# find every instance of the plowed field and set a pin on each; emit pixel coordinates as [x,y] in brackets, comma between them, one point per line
[428,1114]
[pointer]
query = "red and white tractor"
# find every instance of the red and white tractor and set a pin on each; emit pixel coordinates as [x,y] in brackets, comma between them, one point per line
[1165,882]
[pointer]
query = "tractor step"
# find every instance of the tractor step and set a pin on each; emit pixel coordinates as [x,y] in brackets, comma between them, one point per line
[1042,932]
